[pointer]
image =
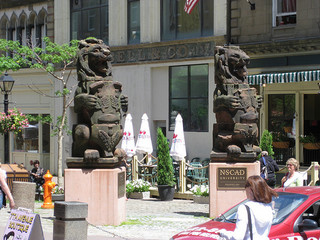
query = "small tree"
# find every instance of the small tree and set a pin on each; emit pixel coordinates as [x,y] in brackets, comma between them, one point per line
[165,165]
[266,143]
[53,59]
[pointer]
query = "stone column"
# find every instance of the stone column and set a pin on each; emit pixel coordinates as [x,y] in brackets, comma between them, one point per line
[70,222]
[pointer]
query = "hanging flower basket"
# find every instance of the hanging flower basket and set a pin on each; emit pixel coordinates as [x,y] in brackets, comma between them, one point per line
[13,122]
[311,146]
[280,144]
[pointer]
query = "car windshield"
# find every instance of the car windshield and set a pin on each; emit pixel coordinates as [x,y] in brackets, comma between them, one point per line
[284,205]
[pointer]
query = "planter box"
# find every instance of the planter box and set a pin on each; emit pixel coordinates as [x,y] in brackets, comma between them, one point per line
[311,146]
[57,197]
[139,195]
[201,199]
[280,144]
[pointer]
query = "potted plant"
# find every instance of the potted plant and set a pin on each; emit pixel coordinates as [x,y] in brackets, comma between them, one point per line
[266,143]
[166,181]
[138,189]
[310,142]
[57,193]
[201,194]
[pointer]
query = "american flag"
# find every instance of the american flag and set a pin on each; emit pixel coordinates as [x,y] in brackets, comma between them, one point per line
[190,4]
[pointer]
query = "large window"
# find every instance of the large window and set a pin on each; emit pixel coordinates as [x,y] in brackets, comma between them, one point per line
[89,18]
[29,140]
[133,21]
[281,111]
[189,96]
[177,24]
[284,12]
[281,124]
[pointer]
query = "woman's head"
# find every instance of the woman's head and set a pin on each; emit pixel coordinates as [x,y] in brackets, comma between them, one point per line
[36,162]
[258,190]
[293,164]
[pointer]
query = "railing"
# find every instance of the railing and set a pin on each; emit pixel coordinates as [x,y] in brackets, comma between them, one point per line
[187,175]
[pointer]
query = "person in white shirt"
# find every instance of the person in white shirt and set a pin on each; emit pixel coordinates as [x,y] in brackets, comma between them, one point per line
[259,195]
[5,189]
[293,178]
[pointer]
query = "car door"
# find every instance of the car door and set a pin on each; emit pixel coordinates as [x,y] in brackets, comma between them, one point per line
[307,225]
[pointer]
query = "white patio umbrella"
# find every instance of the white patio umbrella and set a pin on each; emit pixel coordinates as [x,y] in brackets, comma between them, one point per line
[128,144]
[178,147]
[144,143]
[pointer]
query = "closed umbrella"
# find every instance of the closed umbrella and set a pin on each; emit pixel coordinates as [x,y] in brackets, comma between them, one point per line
[178,147]
[178,151]
[128,144]
[144,143]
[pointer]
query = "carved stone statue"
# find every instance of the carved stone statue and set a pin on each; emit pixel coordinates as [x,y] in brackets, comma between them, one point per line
[99,104]
[236,107]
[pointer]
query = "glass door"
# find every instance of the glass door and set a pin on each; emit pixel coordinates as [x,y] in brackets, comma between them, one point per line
[281,124]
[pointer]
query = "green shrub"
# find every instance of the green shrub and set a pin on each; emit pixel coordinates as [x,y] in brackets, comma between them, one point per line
[165,166]
[266,143]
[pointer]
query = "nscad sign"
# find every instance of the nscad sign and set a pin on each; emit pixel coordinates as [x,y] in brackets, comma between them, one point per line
[231,178]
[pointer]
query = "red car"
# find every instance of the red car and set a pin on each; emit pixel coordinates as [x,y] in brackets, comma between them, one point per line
[296,217]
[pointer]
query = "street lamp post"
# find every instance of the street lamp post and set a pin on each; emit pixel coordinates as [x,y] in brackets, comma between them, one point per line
[6,84]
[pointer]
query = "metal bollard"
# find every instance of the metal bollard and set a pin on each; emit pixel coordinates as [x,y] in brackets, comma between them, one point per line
[47,187]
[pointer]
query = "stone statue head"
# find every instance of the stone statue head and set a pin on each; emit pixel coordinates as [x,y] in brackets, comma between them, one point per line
[94,60]
[231,65]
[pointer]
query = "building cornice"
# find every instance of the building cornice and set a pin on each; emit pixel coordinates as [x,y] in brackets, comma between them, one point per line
[281,48]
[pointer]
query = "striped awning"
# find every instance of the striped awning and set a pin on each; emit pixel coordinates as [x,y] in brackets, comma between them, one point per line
[289,77]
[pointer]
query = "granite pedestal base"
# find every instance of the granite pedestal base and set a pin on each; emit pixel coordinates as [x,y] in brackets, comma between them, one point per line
[226,191]
[103,190]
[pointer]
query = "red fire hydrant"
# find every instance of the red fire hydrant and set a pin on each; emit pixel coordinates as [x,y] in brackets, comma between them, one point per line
[47,188]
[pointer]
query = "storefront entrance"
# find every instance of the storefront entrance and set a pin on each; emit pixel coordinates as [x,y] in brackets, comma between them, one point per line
[311,128]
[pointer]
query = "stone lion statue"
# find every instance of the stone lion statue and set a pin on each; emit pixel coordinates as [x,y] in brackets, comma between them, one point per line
[99,103]
[236,104]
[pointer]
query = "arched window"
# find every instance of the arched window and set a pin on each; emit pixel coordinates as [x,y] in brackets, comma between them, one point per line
[12,31]
[4,25]
[21,30]
[31,30]
[41,28]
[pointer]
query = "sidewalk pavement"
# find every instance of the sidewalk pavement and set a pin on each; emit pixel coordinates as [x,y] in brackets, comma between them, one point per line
[150,219]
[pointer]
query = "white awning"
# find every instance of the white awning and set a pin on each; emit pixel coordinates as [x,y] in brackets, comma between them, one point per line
[288,77]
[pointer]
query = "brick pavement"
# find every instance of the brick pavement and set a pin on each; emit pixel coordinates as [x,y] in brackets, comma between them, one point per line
[146,219]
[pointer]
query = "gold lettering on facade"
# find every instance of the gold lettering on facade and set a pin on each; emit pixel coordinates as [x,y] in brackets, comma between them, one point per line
[155,53]
[182,51]
[171,52]
[121,56]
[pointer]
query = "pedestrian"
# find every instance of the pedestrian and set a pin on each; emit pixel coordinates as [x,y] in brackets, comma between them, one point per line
[254,217]
[4,190]
[293,178]
[268,167]
[37,173]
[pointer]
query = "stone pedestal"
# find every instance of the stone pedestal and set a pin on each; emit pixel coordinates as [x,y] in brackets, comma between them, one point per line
[102,189]
[227,187]
[23,194]
[70,222]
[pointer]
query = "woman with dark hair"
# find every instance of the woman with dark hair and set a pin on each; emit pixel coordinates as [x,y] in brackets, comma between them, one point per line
[37,173]
[254,218]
